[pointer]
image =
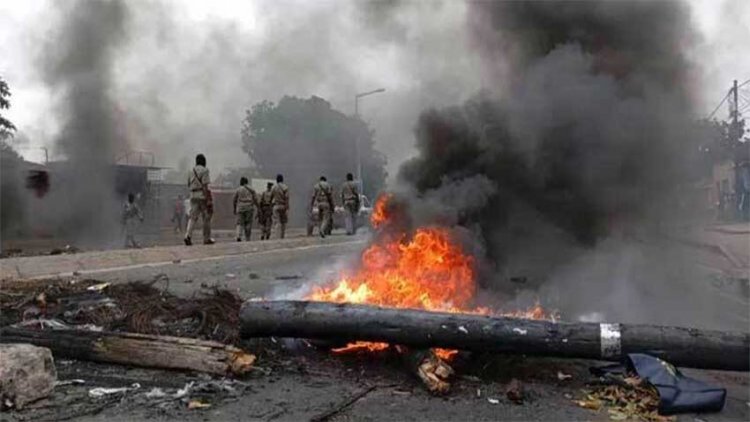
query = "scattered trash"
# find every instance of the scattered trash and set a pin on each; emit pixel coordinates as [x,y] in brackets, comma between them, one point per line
[98,287]
[520,279]
[514,391]
[101,392]
[253,276]
[463,329]
[197,404]
[76,273]
[520,331]
[176,261]
[182,392]
[657,388]
[53,324]
[479,392]
[493,401]
[188,281]
[156,393]
[69,382]
[230,275]
[562,376]
[288,277]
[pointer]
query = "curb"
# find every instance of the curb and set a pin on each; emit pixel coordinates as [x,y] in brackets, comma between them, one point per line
[123,259]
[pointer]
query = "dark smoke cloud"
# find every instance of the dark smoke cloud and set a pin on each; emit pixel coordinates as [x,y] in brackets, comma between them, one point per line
[582,134]
[78,65]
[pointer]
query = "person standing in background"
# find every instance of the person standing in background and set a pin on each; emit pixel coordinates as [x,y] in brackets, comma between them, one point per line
[130,215]
[265,212]
[201,203]
[178,214]
[244,203]
[280,201]
[350,200]
[322,200]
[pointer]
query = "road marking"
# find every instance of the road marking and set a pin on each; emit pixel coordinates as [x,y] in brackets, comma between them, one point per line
[193,260]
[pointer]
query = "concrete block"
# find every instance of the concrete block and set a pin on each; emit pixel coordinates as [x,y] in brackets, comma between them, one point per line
[27,373]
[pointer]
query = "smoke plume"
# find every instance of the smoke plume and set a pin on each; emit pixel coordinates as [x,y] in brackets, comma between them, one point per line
[78,64]
[582,137]
[589,126]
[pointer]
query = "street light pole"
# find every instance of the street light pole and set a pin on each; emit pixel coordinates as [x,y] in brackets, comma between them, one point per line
[359,155]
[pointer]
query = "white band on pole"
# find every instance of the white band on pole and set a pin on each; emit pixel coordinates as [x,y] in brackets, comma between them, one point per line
[610,340]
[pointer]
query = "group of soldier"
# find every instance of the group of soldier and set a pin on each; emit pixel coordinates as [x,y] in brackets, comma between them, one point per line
[271,206]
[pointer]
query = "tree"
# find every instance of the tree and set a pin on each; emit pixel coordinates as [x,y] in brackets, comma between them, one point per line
[306,138]
[6,127]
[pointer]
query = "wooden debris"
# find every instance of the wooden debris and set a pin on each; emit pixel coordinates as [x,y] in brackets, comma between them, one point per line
[143,350]
[689,347]
[434,372]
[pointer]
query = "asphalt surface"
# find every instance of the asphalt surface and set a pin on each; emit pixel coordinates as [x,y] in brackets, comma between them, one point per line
[268,274]
[636,281]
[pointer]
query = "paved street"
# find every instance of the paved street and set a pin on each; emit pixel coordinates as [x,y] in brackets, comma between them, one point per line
[663,281]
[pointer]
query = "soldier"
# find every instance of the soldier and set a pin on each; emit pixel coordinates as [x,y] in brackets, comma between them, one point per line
[265,212]
[201,203]
[130,213]
[322,200]
[244,203]
[280,201]
[350,200]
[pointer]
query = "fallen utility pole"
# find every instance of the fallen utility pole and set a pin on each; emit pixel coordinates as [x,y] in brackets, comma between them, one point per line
[143,350]
[687,347]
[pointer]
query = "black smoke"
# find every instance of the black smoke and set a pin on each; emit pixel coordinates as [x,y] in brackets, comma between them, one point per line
[78,65]
[583,131]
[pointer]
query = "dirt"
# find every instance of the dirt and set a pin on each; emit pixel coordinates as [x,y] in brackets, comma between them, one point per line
[295,381]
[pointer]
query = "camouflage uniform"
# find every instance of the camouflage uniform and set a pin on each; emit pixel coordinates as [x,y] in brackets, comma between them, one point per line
[280,201]
[245,200]
[265,214]
[130,216]
[350,199]
[322,200]
[198,181]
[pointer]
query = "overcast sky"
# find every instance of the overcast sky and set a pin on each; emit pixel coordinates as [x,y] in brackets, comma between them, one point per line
[189,69]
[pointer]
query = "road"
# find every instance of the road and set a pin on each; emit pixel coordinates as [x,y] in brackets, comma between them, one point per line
[699,286]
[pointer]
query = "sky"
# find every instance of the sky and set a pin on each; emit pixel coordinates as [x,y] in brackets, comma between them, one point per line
[189,69]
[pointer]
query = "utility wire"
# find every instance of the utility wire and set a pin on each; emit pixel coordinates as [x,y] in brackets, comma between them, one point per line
[740,85]
[720,104]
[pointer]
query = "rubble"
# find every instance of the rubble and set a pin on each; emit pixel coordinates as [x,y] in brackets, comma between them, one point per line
[633,399]
[27,374]
[137,307]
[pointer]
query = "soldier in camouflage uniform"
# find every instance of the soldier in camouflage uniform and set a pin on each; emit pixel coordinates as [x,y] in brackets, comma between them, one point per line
[322,200]
[265,212]
[350,200]
[280,201]
[200,201]
[244,203]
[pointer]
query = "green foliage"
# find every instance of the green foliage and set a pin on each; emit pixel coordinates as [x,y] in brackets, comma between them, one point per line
[306,138]
[6,127]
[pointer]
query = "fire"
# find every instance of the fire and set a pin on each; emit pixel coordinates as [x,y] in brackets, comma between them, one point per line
[427,270]
[379,210]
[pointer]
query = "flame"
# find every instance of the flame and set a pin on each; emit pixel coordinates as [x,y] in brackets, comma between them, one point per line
[427,270]
[379,210]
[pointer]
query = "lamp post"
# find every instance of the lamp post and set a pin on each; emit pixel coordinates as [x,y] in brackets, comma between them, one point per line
[356,114]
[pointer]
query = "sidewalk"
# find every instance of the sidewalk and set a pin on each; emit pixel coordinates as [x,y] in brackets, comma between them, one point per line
[91,262]
[732,241]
